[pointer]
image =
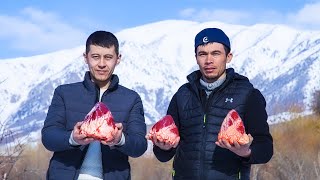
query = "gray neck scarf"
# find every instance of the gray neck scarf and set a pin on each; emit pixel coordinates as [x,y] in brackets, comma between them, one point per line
[209,87]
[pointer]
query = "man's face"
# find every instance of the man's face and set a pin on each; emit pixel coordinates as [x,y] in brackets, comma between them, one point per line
[212,61]
[101,62]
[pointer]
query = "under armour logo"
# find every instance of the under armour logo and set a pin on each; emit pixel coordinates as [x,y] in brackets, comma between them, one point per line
[205,39]
[229,100]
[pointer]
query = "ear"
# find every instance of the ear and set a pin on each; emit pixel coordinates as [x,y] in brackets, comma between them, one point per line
[229,57]
[85,57]
[118,59]
[195,55]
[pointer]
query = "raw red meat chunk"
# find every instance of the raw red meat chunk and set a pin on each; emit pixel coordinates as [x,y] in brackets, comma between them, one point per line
[99,123]
[232,129]
[165,130]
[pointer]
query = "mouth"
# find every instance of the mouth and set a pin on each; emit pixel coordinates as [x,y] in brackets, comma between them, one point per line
[101,72]
[209,69]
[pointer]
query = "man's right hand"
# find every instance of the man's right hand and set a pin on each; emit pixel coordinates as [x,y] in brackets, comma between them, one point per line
[81,139]
[164,145]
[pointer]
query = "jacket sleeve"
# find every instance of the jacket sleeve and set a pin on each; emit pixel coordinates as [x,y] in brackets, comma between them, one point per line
[54,134]
[255,120]
[135,141]
[166,155]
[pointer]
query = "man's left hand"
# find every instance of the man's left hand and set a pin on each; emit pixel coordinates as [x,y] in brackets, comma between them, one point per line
[241,150]
[116,136]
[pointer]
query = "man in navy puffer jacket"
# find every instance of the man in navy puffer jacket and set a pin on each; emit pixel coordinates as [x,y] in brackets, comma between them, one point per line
[199,108]
[77,156]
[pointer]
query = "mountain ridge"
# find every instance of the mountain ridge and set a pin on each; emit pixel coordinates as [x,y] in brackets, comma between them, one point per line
[280,61]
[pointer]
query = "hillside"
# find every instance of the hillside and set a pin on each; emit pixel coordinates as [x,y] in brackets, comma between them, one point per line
[280,61]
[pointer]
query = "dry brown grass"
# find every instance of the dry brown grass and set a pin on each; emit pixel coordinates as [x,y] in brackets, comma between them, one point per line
[147,167]
[32,164]
[296,147]
[299,135]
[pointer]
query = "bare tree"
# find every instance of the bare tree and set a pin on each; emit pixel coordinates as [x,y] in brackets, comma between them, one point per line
[316,102]
[317,166]
[11,150]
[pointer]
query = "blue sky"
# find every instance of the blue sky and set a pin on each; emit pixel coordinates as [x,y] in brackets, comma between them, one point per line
[32,27]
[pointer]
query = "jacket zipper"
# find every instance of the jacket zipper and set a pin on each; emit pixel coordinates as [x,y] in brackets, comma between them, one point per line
[204,135]
[211,99]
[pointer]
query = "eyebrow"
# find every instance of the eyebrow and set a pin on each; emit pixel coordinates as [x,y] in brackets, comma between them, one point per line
[95,54]
[202,52]
[215,51]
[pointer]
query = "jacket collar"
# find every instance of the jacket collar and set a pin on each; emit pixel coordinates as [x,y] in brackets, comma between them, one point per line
[92,87]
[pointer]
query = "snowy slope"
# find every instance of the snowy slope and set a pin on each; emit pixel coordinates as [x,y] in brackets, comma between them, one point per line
[282,62]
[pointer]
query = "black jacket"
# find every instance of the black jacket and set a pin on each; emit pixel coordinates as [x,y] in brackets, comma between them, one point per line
[199,121]
[70,104]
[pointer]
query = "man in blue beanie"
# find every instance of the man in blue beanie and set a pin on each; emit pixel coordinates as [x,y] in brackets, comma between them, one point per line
[199,108]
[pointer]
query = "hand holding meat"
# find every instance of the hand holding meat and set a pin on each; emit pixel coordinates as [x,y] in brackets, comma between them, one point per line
[232,135]
[99,124]
[117,134]
[79,138]
[242,150]
[164,133]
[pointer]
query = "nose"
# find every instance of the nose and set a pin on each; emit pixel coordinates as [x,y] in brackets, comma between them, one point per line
[102,63]
[209,59]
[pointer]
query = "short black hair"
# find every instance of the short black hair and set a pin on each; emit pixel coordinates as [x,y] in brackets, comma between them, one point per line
[103,39]
[226,49]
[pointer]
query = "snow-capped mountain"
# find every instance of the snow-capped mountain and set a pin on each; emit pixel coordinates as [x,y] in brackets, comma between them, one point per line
[281,61]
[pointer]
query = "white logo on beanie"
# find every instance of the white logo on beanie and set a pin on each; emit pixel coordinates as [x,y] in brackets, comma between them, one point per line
[205,39]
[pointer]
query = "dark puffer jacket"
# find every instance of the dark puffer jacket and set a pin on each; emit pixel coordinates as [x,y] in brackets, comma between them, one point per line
[70,104]
[199,121]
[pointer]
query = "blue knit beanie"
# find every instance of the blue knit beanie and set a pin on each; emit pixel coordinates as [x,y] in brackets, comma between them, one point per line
[209,35]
